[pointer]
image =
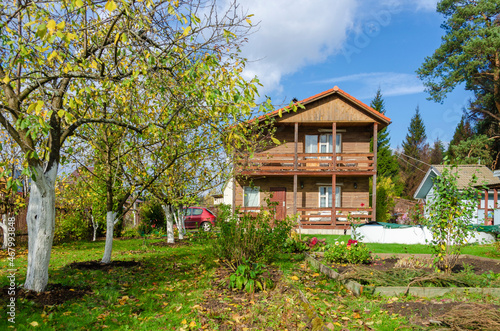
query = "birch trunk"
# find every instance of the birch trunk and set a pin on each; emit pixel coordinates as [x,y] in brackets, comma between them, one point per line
[41,223]
[111,220]
[94,227]
[179,221]
[170,224]
[4,226]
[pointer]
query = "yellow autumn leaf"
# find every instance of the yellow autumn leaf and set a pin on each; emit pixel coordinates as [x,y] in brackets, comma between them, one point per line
[294,278]
[34,323]
[51,25]
[61,25]
[186,31]
[192,324]
[248,21]
[110,5]
[6,79]
[184,322]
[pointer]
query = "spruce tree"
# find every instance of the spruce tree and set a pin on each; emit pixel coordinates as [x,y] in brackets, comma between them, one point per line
[463,131]
[437,152]
[415,151]
[387,166]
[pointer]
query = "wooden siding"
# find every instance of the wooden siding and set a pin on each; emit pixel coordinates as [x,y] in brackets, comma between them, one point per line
[308,197]
[329,109]
[354,139]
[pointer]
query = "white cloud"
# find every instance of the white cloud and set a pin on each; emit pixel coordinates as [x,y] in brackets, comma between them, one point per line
[391,83]
[293,34]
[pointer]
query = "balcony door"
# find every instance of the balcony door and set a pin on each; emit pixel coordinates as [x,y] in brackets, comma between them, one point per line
[323,144]
[279,196]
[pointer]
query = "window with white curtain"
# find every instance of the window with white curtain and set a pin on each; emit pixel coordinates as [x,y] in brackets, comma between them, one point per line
[251,196]
[325,196]
[323,143]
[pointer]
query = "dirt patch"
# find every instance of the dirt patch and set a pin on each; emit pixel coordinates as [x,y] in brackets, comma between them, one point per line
[273,309]
[97,265]
[478,265]
[174,245]
[456,315]
[55,294]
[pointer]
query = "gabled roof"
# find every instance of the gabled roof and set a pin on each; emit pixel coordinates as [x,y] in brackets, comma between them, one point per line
[465,172]
[336,90]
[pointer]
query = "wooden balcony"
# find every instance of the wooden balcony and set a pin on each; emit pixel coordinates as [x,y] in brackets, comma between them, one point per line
[306,163]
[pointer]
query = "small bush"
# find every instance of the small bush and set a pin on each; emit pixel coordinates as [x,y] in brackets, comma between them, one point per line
[352,252]
[71,227]
[152,217]
[130,233]
[249,276]
[293,244]
[250,238]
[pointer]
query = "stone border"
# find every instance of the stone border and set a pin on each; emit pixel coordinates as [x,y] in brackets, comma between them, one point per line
[429,292]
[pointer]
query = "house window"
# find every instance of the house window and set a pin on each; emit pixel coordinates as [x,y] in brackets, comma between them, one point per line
[325,196]
[251,196]
[323,143]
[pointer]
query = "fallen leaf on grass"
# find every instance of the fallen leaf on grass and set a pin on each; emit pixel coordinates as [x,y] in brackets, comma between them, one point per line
[192,324]
[294,278]
[34,323]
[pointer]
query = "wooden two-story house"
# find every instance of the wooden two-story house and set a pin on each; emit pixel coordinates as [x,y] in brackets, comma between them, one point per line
[321,170]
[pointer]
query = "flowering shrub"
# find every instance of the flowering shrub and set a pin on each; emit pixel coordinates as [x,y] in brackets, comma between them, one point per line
[295,245]
[352,252]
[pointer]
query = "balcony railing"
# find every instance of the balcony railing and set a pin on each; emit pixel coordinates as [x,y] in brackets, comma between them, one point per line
[306,162]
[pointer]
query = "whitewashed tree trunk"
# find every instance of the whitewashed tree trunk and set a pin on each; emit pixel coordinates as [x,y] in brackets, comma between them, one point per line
[170,224]
[41,224]
[4,226]
[179,221]
[95,226]
[134,214]
[111,220]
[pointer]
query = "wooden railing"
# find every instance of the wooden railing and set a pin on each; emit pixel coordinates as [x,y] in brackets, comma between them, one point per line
[321,217]
[306,162]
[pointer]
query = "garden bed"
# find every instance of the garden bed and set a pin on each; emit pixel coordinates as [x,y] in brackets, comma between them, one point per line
[396,274]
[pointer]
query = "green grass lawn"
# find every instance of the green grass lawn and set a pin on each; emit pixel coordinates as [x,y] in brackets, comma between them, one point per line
[164,293]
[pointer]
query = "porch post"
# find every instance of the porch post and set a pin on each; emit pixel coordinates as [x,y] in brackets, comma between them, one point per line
[296,139]
[495,198]
[485,206]
[294,194]
[233,204]
[334,191]
[374,177]
[334,147]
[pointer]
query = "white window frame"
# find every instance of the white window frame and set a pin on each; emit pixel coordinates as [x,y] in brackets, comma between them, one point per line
[338,196]
[253,189]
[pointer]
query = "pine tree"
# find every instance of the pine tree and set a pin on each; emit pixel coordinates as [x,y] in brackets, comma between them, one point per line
[415,151]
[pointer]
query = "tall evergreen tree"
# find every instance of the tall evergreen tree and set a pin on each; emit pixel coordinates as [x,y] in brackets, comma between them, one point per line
[463,131]
[387,167]
[437,152]
[387,164]
[415,151]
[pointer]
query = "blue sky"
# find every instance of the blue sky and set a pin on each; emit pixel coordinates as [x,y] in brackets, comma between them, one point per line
[305,47]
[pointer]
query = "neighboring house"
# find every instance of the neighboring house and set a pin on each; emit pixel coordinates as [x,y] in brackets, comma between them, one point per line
[321,170]
[485,178]
[218,199]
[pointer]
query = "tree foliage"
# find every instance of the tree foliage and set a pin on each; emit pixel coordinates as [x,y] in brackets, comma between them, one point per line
[450,213]
[474,150]
[437,152]
[178,58]
[463,131]
[469,53]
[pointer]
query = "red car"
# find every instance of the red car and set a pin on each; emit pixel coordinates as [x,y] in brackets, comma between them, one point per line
[199,217]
